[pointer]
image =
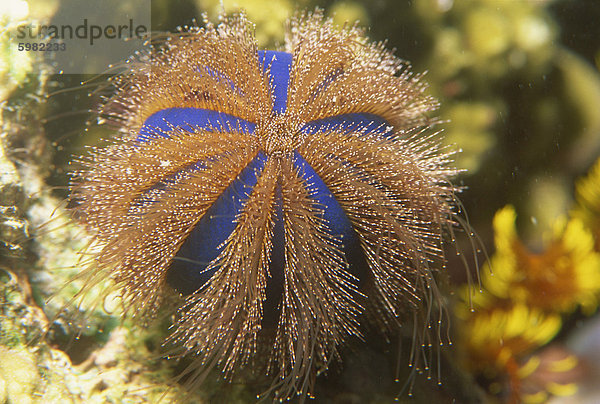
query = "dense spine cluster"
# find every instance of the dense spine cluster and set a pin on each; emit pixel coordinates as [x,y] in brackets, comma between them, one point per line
[313,173]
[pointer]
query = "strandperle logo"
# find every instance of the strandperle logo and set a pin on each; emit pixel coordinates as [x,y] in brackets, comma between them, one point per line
[90,32]
[85,37]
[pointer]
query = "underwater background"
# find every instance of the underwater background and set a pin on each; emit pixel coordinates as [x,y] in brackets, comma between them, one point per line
[519,87]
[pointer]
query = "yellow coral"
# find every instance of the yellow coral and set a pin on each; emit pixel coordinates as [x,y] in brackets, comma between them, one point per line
[588,190]
[525,294]
[560,278]
[550,373]
[587,193]
[497,336]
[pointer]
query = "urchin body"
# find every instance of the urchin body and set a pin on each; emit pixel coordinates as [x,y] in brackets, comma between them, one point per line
[295,191]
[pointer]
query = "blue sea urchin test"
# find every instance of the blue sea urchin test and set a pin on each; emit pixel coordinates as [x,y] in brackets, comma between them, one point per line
[287,196]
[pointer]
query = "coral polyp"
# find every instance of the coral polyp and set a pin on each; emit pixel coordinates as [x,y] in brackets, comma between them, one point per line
[288,196]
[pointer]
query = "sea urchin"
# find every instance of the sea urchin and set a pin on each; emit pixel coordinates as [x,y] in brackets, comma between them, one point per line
[285,195]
